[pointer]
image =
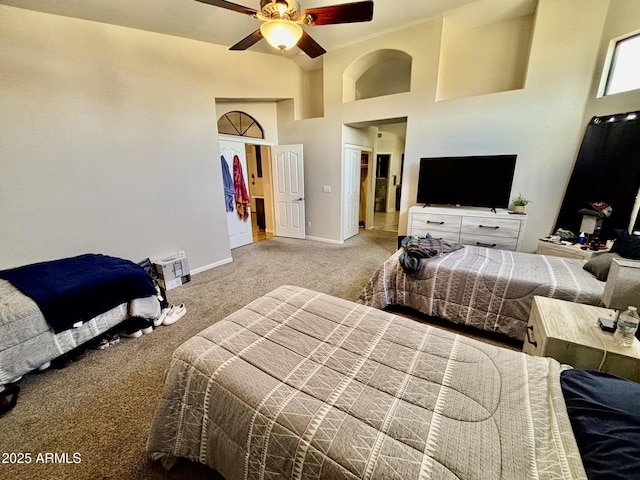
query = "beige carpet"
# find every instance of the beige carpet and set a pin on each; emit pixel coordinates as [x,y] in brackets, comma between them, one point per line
[95,413]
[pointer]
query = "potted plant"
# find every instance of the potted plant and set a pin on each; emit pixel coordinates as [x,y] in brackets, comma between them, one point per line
[519,203]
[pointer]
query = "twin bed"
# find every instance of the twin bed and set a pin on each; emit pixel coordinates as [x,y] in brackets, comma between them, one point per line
[299,384]
[485,288]
[47,309]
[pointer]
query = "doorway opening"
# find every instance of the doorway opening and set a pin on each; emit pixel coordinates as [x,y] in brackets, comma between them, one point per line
[250,164]
[389,167]
[264,196]
[372,175]
[259,183]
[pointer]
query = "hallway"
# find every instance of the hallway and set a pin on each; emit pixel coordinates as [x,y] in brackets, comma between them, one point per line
[386,221]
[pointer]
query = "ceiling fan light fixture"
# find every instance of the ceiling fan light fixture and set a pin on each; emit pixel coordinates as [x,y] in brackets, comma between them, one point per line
[281,34]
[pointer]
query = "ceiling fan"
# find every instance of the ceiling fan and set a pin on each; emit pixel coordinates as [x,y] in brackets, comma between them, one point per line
[282,20]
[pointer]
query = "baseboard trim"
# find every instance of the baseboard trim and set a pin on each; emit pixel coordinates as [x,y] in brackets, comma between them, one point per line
[325,240]
[211,265]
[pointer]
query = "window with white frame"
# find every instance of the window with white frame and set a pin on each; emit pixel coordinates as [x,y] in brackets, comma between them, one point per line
[624,70]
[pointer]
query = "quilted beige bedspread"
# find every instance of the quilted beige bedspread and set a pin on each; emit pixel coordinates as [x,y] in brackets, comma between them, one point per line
[482,287]
[303,385]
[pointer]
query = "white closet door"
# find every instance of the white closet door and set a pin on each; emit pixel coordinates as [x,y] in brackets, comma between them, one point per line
[351,189]
[240,229]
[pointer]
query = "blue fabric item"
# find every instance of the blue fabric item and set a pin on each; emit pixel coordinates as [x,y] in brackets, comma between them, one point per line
[626,245]
[605,415]
[227,181]
[79,288]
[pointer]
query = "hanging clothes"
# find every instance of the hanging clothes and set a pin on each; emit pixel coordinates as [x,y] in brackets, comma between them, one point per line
[227,181]
[242,196]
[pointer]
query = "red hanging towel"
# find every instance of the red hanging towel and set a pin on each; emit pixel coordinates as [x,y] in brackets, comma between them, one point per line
[242,196]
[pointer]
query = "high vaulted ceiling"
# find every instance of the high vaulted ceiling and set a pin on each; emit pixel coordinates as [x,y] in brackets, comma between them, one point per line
[199,21]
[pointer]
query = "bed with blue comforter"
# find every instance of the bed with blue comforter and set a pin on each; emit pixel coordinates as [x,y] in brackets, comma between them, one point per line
[49,308]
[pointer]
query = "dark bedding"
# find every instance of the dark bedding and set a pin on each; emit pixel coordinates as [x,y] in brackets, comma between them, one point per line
[604,411]
[79,288]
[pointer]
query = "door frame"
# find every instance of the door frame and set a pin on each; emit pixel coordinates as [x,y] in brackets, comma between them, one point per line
[247,141]
[344,176]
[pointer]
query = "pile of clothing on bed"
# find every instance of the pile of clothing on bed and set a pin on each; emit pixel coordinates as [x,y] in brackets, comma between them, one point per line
[416,250]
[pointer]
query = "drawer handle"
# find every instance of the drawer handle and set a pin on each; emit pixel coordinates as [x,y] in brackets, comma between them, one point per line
[488,226]
[437,223]
[488,245]
[532,342]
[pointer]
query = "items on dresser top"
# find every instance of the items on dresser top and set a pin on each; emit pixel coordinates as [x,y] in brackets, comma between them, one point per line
[567,249]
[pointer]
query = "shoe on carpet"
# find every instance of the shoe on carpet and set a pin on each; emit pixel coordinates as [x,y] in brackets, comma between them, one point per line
[99,343]
[146,326]
[176,313]
[131,328]
[135,327]
[163,314]
[8,398]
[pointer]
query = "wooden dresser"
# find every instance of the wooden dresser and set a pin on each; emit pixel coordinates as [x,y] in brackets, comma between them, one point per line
[469,226]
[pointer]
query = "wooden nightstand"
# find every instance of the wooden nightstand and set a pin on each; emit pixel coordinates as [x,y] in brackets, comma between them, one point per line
[569,251]
[569,332]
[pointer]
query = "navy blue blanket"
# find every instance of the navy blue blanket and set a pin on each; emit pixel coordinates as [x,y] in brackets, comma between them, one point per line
[77,289]
[605,416]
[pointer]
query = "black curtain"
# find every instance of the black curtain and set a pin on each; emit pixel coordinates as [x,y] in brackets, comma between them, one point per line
[607,170]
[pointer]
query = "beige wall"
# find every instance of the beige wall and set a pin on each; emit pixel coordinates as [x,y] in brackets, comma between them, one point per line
[541,122]
[109,139]
[487,59]
[623,19]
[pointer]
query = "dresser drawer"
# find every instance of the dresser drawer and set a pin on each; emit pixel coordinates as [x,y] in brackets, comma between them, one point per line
[536,338]
[489,227]
[452,237]
[431,223]
[470,226]
[490,242]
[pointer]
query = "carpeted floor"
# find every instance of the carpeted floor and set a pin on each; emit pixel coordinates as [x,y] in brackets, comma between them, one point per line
[94,415]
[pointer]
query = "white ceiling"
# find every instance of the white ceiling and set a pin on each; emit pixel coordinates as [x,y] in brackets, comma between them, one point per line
[199,21]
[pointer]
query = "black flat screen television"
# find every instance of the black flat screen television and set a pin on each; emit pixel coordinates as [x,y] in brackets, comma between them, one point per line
[477,181]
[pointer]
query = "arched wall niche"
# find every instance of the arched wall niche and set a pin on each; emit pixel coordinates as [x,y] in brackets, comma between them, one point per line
[378,73]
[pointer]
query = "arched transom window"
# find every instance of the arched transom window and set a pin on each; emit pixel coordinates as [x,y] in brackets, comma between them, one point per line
[240,124]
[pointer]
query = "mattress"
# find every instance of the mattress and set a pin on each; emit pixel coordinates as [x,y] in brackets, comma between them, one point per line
[26,339]
[482,287]
[299,384]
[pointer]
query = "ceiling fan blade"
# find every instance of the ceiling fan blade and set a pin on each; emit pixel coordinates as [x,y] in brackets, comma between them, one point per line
[248,41]
[345,13]
[230,6]
[309,46]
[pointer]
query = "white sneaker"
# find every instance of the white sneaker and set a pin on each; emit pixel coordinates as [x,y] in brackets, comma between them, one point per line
[148,327]
[163,314]
[176,313]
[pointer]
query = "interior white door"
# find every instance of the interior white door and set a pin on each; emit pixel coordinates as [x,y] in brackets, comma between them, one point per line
[238,222]
[351,189]
[288,190]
